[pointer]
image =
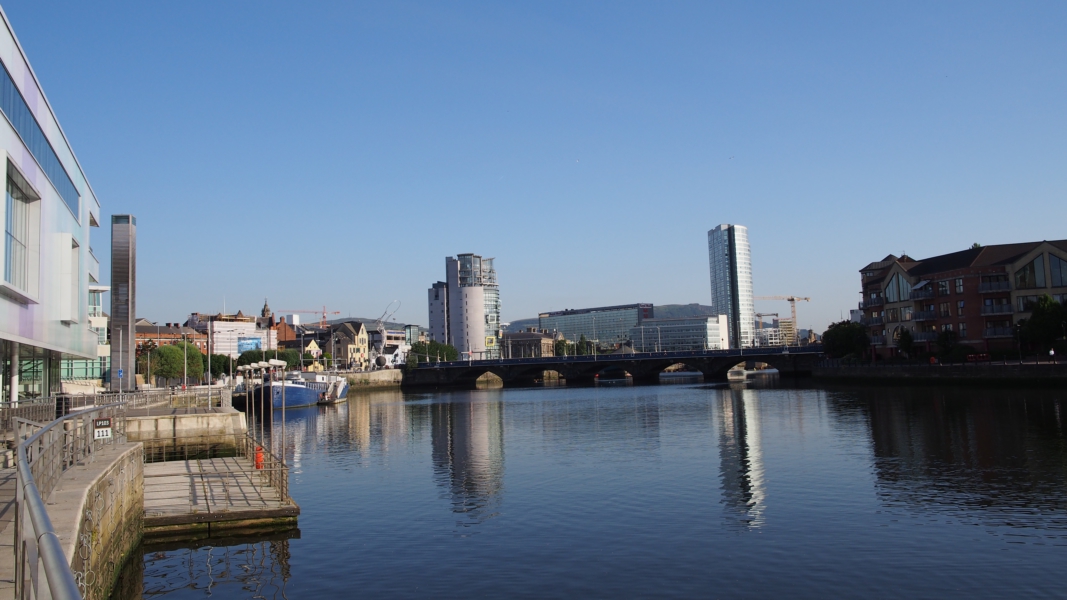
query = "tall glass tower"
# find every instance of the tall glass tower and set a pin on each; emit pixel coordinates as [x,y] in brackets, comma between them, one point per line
[731,281]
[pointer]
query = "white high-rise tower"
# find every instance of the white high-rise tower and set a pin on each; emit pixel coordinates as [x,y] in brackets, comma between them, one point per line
[731,281]
[465,309]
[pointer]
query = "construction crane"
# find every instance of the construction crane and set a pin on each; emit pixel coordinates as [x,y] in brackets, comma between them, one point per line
[323,312]
[760,317]
[792,300]
[379,347]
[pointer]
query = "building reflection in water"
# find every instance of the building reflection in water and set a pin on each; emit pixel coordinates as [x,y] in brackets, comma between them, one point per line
[229,569]
[467,439]
[741,458]
[997,456]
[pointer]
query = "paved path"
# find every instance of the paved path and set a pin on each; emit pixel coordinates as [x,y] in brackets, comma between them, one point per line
[217,489]
[7,533]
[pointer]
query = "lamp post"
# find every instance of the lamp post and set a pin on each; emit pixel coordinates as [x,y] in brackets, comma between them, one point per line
[659,336]
[280,363]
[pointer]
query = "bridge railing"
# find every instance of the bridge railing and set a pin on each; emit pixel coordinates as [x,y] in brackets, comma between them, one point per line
[741,354]
[45,452]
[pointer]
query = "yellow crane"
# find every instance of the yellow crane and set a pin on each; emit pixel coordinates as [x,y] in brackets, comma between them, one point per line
[792,300]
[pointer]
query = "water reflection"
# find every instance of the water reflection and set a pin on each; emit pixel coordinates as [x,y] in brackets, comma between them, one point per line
[741,457]
[996,457]
[467,445]
[227,567]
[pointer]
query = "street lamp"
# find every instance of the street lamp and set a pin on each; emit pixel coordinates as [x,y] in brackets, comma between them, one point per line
[279,363]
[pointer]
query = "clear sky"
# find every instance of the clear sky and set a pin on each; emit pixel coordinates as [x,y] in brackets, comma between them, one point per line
[334,154]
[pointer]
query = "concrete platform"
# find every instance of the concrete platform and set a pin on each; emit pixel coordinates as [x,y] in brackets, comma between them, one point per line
[201,498]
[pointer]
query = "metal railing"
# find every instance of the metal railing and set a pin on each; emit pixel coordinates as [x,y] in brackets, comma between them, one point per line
[994,286]
[871,302]
[924,336]
[46,452]
[877,340]
[924,315]
[997,309]
[871,320]
[239,445]
[39,412]
[923,294]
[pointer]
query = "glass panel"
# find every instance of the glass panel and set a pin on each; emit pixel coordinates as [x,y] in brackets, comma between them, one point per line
[1032,275]
[1059,270]
[18,112]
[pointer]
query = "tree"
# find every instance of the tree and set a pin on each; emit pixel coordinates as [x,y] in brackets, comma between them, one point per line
[430,352]
[844,338]
[1047,322]
[975,246]
[905,343]
[221,365]
[167,362]
[946,342]
[195,361]
[563,348]
[583,346]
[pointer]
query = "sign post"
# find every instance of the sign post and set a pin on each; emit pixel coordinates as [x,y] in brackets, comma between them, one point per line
[102,428]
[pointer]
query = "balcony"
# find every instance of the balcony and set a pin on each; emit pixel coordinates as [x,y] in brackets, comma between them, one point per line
[997,309]
[872,302]
[923,294]
[877,340]
[924,336]
[872,320]
[924,315]
[994,286]
[999,332]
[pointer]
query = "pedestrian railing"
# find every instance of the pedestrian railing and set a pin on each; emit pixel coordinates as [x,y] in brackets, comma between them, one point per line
[40,411]
[45,452]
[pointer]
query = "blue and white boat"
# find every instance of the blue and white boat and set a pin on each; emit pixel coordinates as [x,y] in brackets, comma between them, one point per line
[303,389]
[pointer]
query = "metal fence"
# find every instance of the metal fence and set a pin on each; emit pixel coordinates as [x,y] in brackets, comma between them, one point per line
[38,412]
[46,452]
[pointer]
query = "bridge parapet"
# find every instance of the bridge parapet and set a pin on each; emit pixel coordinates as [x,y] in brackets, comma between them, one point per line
[790,361]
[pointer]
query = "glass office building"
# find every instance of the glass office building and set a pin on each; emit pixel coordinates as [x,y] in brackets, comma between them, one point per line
[608,326]
[731,281]
[47,213]
[682,334]
[464,310]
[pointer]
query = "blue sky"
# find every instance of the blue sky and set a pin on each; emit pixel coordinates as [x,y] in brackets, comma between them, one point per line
[334,154]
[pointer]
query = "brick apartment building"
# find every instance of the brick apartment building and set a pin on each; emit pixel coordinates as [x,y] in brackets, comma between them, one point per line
[980,293]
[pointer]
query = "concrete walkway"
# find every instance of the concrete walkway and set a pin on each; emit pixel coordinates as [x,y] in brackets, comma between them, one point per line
[7,533]
[182,494]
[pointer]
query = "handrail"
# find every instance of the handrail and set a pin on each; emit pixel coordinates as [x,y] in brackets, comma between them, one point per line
[50,451]
[741,353]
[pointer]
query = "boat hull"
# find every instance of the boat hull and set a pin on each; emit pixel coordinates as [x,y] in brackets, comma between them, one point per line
[297,394]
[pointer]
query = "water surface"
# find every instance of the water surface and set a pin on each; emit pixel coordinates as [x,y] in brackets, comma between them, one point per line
[670,491]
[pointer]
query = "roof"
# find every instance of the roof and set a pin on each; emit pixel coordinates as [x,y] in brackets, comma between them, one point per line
[578,311]
[984,256]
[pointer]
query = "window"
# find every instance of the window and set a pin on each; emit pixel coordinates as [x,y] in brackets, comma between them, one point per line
[905,313]
[946,327]
[18,112]
[1032,275]
[1026,303]
[1059,270]
[963,330]
[959,285]
[942,288]
[944,309]
[959,308]
[894,315]
[20,233]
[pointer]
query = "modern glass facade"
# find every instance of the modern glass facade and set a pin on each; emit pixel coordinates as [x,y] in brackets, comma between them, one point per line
[731,281]
[465,310]
[46,215]
[681,335]
[607,325]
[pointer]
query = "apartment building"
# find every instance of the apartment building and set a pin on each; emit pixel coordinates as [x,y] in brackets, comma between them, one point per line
[980,293]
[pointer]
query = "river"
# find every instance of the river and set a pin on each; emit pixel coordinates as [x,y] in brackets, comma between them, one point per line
[682,490]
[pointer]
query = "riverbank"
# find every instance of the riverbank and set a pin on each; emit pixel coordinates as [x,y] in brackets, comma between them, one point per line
[1040,374]
[369,380]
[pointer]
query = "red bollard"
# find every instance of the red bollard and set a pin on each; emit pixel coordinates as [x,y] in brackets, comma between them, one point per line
[259,457]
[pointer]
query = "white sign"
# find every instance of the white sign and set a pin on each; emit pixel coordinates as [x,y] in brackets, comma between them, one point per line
[102,429]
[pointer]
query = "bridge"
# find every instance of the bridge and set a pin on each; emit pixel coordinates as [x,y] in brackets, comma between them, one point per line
[644,367]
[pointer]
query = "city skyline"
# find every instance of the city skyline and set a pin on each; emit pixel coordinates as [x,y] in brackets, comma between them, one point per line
[805,123]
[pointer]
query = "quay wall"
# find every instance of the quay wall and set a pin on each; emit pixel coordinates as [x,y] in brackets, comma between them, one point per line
[1034,374]
[222,424]
[385,378]
[97,511]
